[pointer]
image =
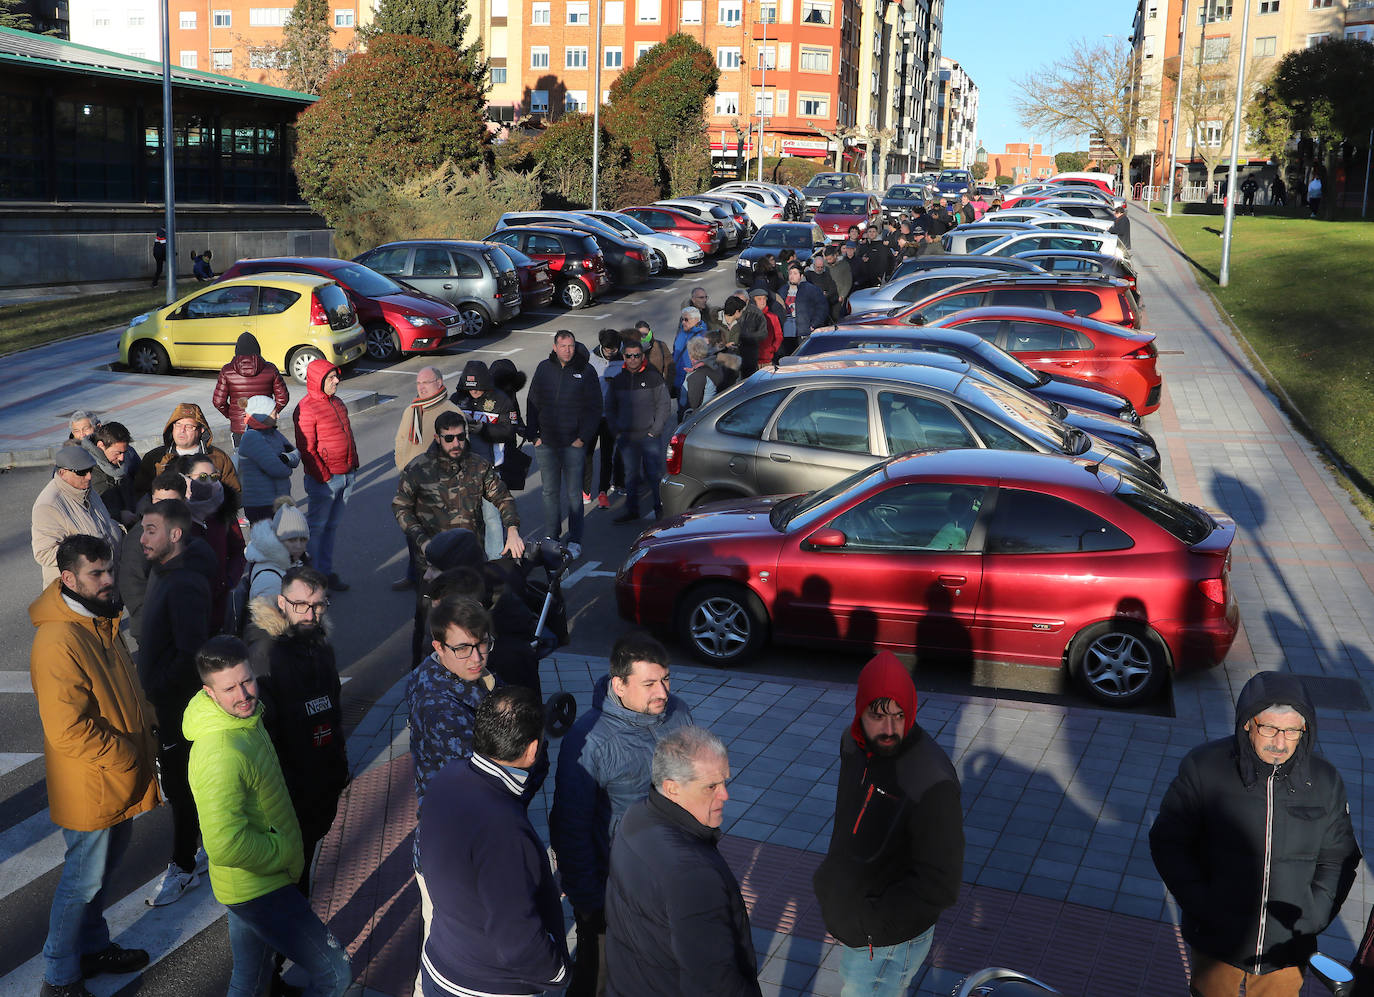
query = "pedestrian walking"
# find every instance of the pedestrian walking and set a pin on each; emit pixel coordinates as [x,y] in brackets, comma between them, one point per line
[1121,226]
[159,255]
[1248,187]
[637,410]
[244,377]
[564,410]
[605,360]
[329,454]
[1314,195]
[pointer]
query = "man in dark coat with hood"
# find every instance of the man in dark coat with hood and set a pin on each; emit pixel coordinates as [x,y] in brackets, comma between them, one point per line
[248,374]
[1254,841]
[896,854]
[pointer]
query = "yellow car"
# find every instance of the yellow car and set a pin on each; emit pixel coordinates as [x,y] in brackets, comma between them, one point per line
[296,318]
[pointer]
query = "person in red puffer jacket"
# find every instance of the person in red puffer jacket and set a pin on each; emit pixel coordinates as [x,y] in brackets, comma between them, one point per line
[248,374]
[329,455]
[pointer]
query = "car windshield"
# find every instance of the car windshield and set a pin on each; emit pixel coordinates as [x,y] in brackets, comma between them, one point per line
[1006,366]
[783,237]
[827,181]
[367,282]
[790,510]
[1024,410]
[516,257]
[843,204]
[953,176]
[903,192]
[634,225]
[1186,522]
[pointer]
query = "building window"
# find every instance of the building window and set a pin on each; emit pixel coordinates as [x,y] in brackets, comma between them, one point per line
[613,57]
[539,102]
[813,107]
[1152,10]
[727,58]
[136,20]
[575,57]
[101,19]
[763,102]
[815,60]
[1313,40]
[539,13]
[1266,46]
[767,57]
[1360,32]
[186,20]
[729,12]
[647,10]
[579,13]
[268,17]
[1318,4]
[1215,49]
[614,12]
[1149,47]
[768,13]
[727,102]
[539,57]
[343,18]
[642,49]
[498,74]
[691,11]
[1269,6]
[499,8]
[188,59]
[1209,133]
[1213,11]
[815,13]
[221,60]
[576,100]
[223,18]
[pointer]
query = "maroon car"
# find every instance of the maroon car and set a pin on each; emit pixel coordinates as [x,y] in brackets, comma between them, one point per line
[396,319]
[976,555]
[536,286]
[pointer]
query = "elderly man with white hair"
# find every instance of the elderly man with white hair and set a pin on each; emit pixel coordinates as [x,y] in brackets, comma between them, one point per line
[675,920]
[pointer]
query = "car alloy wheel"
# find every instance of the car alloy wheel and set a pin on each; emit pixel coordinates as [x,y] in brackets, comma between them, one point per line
[574,295]
[1119,663]
[475,319]
[723,624]
[301,361]
[147,357]
[381,342]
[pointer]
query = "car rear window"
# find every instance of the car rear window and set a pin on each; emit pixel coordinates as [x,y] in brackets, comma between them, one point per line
[468,267]
[586,245]
[336,306]
[1027,522]
[1186,522]
[1078,302]
[749,417]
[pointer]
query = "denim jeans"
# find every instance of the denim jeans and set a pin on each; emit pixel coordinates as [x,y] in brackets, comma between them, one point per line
[494,534]
[322,515]
[888,972]
[76,926]
[560,482]
[643,464]
[282,921]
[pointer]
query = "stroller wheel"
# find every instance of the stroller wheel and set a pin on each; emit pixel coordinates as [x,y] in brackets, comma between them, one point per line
[559,713]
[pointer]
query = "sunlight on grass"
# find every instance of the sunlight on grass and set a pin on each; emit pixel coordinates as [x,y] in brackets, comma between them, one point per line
[25,325]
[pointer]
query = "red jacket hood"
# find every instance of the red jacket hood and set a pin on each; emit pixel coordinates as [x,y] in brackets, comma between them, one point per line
[884,678]
[248,365]
[316,373]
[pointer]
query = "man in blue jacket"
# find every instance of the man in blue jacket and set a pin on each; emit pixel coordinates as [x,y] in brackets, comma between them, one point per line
[806,309]
[563,410]
[498,923]
[637,411]
[604,768]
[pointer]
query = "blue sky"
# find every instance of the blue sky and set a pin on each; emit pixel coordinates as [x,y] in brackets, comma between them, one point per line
[998,41]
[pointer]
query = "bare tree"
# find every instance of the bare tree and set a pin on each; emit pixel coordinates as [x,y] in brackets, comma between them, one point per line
[1091,90]
[1206,115]
[836,135]
[878,140]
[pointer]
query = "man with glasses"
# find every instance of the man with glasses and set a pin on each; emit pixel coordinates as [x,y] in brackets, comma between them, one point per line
[1254,841]
[443,488]
[298,679]
[637,410]
[65,507]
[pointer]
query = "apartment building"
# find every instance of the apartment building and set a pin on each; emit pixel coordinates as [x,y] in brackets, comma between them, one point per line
[1212,59]
[1022,162]
[956,127]
[500,32]
[920,34]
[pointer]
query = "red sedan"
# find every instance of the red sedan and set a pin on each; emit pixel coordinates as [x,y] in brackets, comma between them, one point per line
[1105,355]
[837,212]
[978,555]
[705,234]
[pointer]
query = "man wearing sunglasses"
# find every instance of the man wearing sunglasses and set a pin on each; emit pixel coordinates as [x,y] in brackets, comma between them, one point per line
[1254,841]
[65,507]
[637,410]
[443,488]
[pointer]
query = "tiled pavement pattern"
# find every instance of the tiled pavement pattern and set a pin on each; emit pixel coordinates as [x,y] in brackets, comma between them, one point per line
[1058,801]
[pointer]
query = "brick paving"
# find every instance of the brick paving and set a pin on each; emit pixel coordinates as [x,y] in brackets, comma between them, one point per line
[1058,881]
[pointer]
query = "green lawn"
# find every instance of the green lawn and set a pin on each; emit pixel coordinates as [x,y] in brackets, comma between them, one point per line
[1302,293]
[25,325]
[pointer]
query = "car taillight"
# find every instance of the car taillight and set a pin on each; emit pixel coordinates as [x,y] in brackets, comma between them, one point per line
[1132,318]
[589,263]
[317,313]
[1146,352]
[673,458]
[635,254]
[1213,589]
[777,215]
[714,229]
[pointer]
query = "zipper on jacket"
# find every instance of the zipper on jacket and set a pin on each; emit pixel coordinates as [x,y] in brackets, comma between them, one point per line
[1268,857]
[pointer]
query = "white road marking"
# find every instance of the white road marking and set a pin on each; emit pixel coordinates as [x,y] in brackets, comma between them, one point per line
[16,682]
[587,570]
[11,760]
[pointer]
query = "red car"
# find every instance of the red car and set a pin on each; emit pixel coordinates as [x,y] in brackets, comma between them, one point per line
[536,286]
[705,234]
[1104,355]
[397,319]
[978,555]
[837,212]
[575,259]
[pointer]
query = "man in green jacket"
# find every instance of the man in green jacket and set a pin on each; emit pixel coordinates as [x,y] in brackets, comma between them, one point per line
[250,832]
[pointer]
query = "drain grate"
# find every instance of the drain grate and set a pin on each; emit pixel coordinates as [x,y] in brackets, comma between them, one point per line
[1328,693]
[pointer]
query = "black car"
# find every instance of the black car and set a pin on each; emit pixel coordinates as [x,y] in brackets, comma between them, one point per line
[904,197]
[993,264]
[625,260]
[803,238]
[969,346]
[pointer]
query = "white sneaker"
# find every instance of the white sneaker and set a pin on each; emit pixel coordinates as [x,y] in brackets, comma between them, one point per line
[202,862]
[174,883]
[574,550]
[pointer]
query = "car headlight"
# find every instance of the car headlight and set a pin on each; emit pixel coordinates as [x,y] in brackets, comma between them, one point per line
[421,320]
[635,557]
[1145,452]
[746,264]
[140,319]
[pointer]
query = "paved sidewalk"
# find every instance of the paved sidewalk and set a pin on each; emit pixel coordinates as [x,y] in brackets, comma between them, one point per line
[1058,800]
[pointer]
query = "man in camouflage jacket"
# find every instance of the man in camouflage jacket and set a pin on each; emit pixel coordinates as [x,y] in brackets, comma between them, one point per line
[443,488]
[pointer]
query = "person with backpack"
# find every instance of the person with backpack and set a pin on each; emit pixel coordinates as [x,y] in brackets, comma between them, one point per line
[704,379]
[275,546]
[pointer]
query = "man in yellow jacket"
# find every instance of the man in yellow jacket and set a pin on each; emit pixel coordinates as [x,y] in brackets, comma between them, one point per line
[250,832]
[99,747]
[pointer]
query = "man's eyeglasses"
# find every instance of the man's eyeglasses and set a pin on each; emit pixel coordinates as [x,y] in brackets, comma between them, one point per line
[205,476]
[451,437]
[1289,733]
[632,356]
[466,650]
[314,608]
[81,474]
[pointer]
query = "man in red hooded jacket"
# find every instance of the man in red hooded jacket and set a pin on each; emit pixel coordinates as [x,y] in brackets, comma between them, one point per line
[329,455]
[896,854]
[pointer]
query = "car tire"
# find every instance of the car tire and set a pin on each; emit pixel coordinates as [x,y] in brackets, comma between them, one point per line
[300,362]
[382,342]
[574,295]
[662,260]
[1120,663]
[476,320]
[148,357]
[722,623]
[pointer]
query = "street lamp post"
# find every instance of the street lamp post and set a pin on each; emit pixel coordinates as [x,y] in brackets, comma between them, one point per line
[1224,274]
[596,115]
[763,84]
[168,163]
[1178,108]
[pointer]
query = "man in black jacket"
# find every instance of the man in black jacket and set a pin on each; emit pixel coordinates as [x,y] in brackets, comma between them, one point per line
[637,410]
[675,920]
[896,854]
[563,410]
[1254,841]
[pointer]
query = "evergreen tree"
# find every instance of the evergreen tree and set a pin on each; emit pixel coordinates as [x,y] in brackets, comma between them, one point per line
[441,21]
[11,16]
[307,40]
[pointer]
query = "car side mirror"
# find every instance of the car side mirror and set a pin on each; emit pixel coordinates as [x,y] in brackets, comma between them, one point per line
[827,536]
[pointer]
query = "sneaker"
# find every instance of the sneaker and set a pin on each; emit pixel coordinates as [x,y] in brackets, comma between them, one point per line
[626,517]
[586,497]
[201,863]
[603,501]
[77,989]
[113,959]
[173,884]
[574,549]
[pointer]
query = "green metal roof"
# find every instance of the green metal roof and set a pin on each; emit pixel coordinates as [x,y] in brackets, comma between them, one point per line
[24,48]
